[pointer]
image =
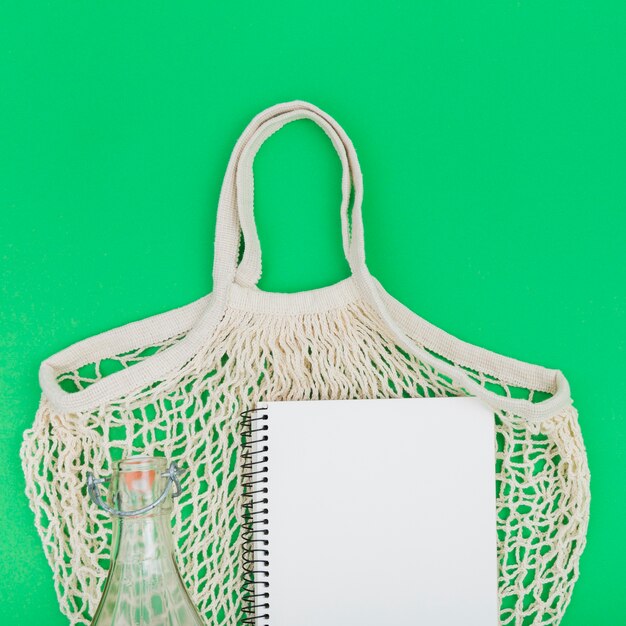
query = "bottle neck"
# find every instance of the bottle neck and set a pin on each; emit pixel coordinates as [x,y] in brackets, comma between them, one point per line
[143,538]
[137,483]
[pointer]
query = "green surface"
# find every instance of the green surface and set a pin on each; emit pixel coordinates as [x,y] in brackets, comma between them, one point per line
[492,139]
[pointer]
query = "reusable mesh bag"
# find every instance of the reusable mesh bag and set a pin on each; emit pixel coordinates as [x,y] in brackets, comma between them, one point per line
[176,383]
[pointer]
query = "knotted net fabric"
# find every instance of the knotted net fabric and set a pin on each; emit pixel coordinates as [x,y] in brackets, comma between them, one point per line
[332,343]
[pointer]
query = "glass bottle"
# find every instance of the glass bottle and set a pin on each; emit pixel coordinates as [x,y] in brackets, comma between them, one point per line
[143,587]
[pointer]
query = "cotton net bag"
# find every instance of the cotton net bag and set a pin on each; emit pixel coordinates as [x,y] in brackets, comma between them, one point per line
[176,383]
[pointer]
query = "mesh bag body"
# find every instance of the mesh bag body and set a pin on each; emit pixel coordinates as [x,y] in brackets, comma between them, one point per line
[175,384]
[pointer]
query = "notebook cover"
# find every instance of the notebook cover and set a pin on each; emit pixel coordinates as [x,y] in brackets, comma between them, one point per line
[374,512]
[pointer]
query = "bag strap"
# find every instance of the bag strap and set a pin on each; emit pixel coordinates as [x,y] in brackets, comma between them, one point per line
[236,211]
[249,270]
[472,359]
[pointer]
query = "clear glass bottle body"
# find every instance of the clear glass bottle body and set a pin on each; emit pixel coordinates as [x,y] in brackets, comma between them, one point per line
[143,587]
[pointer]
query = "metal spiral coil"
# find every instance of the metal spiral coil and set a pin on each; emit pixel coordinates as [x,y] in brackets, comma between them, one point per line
[255,595]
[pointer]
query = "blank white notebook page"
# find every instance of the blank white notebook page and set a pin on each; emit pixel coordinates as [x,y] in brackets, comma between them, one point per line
[381,512]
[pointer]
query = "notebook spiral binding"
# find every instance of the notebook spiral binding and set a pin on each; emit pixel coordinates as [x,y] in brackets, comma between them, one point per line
[255,594]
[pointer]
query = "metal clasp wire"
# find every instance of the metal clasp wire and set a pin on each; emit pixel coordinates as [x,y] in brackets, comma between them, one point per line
[173,474]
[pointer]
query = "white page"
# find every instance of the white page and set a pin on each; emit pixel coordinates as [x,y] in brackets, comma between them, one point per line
[382,512]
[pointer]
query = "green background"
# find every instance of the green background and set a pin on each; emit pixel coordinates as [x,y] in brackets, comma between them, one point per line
[492,140]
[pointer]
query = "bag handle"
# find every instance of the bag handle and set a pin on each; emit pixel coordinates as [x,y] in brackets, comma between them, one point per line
[235,208]
[200,319]
[249,270]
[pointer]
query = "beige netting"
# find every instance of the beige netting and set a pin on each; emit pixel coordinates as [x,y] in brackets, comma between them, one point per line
[174,385]
[542,487]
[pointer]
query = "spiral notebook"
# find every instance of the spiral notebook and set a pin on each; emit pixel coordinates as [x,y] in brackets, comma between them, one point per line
[370,512]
